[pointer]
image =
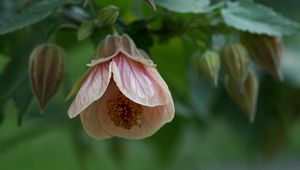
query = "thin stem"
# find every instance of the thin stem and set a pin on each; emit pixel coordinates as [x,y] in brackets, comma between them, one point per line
[57,28]
[93,9]
[114,30]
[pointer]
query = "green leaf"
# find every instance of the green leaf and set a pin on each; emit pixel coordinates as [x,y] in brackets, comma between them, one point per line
[22,98]
[255,18]
[185,6]
[16,85]
[32,15]
[14,78]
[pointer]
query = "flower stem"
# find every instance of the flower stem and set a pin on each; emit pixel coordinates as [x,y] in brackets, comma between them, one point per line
[114,30]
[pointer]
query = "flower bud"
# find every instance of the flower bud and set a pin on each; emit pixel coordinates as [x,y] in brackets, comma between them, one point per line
[208,64]
[266,51]
[109,14]
[46,70]
[151,3]
[246,99]
[235,60]
[85,30]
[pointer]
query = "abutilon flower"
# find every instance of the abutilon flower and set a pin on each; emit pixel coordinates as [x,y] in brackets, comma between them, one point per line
[123,95]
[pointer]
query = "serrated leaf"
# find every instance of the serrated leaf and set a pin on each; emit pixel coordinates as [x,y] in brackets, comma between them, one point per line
[259,19]
[34,14]
[185,6]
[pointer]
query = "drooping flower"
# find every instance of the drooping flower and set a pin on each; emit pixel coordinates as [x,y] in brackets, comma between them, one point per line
[124,95]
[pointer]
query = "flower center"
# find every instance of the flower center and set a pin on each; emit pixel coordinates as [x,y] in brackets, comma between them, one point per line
[124,112]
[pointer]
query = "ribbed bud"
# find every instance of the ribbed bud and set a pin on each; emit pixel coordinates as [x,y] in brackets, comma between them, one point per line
[266,51]
[109,14]
[46,70]
[151,3]
[246,99]
[208,64]
[85,30]
[234,61]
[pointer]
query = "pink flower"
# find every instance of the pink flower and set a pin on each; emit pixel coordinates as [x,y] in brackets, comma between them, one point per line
[124,95]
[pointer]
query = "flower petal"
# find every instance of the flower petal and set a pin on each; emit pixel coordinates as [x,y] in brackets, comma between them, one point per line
[150,120]
[91,124]
[112,45]
[139,83]
[92,89]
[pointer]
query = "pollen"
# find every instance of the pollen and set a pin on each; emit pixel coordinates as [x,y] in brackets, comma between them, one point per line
[123,112]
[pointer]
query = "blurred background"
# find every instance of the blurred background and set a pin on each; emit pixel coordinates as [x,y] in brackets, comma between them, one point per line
[209,131]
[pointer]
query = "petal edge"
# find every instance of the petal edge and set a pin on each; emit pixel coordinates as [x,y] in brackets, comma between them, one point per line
[92,89]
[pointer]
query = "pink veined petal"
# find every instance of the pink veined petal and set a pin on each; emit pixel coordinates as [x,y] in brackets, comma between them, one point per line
[92,89]
[91,124]
[151,118]
[137,82]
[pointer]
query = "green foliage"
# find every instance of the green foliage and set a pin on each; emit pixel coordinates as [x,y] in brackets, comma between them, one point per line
[186,6]
[255,18]
[34,14]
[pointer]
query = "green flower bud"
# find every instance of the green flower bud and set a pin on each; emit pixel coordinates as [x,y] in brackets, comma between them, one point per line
[86,29]
[151,3]
[46,70]
[266,51]
[235,60]
[109,14]
[246,99]
[208,64]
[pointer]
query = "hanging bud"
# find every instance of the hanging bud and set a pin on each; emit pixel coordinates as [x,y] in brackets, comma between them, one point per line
[246,99]
[109,14]
[266,51]
[151,3]
[208,64]
[86,29]
[235,60]
[46,69]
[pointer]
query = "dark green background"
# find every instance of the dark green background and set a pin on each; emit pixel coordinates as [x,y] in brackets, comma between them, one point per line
[208,132]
